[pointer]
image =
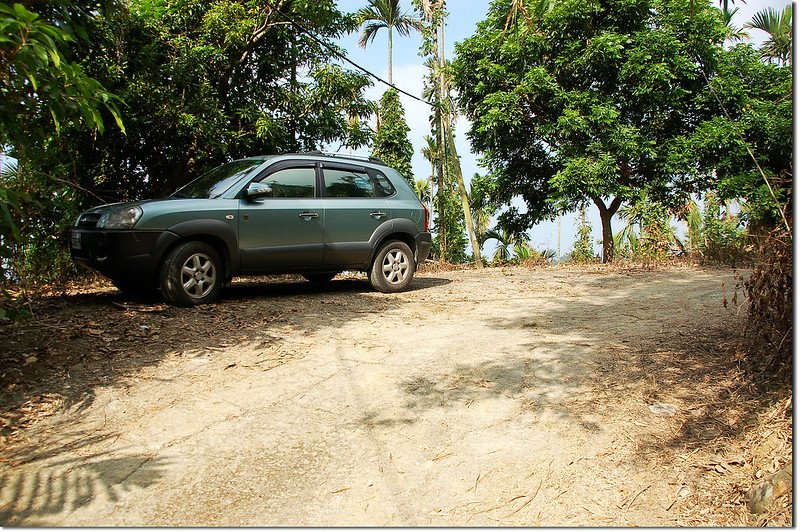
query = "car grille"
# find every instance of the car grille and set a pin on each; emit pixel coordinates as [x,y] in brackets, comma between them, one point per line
[89,221]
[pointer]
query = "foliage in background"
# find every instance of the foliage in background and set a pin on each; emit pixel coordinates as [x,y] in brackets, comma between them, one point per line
[505,244]
[778,26]
[201,82]
[587,101]
[447,217]
[44,90]
[447,163]
[482,206]
[38,79]
[391,139]
[722,236]
[582,248]
[647,234]
[450,216]
[757,102]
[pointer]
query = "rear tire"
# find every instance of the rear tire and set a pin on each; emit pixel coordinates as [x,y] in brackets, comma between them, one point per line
[393,267]
[191,274]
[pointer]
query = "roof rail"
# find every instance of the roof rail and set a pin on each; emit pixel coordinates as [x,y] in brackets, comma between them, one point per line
[368,158]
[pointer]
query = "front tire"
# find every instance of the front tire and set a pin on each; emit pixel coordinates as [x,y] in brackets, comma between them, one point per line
[191,274]
[393,267]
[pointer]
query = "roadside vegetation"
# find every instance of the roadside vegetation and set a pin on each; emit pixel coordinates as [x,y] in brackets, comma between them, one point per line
[659,112]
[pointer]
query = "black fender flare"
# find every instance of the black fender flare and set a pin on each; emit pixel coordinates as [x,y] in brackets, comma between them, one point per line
[204,228]
[397,226]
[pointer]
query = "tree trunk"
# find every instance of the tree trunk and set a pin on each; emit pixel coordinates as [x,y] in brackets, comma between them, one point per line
[606,213]
[476,247]
[390,55]
[442,191]
[293,84]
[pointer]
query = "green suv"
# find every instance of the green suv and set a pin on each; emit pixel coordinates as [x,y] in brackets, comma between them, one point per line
[315,214]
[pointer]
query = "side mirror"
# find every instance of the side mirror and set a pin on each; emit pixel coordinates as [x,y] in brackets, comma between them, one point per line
[258,190]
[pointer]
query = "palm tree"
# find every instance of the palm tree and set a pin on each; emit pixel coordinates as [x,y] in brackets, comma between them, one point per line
[734,32]
[445,112]
[779,27]
[422,187]
[506,243]
[430,151]
[381,14]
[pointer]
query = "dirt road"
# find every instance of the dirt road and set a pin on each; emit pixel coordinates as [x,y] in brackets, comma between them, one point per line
[503,397]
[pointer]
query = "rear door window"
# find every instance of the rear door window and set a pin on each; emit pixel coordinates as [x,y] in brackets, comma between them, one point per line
[355,183]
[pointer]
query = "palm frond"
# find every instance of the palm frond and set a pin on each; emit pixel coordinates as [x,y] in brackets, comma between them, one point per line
[369,33]
[778,25]
[734,33]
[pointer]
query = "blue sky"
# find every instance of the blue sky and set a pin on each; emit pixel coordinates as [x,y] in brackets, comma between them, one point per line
[408,74]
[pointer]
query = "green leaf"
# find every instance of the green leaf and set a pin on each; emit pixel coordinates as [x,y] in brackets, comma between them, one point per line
[32,79]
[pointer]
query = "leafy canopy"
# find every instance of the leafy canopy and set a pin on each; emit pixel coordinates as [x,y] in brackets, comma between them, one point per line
[208,81]
[587,100]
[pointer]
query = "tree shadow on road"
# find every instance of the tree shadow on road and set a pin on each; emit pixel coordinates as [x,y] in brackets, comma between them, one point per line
[60,484]
[605,353]
[77,343]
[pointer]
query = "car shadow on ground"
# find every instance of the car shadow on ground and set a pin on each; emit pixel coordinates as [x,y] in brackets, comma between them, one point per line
[249,289]
[75,343]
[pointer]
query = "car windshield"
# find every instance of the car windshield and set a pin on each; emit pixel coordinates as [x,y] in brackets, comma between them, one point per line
[214,182]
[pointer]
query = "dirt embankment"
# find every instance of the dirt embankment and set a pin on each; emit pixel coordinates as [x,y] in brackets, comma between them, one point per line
[502,397]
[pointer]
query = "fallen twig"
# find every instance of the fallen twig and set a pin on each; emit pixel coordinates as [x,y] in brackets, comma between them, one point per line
[629,504]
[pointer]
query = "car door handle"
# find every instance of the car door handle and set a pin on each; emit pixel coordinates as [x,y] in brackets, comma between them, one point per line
[377,215]
[308,215]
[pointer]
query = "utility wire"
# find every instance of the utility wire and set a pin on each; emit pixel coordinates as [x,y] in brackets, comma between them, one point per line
[341,56]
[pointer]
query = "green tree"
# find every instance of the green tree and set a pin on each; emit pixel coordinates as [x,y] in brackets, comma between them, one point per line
[45,92]
[438,89]
[37,78]
[391,140]
[380,14]
[778,25]
[209,81]
[601,93]
[746,147]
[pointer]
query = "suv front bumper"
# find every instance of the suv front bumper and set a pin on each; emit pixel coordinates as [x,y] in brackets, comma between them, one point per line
[119,255]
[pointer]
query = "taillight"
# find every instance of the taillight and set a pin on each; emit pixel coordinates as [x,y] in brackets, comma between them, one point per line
[427,217]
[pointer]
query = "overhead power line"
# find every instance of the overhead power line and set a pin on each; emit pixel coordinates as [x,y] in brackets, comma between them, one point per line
[341,56]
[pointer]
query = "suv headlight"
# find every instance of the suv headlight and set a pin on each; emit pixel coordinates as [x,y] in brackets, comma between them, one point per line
[120,219]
